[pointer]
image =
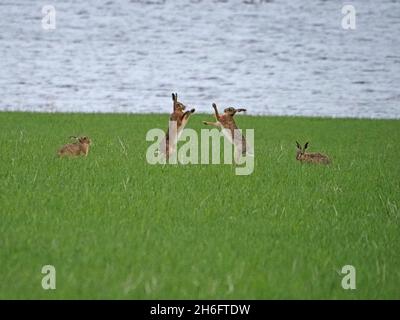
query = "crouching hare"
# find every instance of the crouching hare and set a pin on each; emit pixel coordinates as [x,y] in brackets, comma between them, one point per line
[304,156]
[80,147]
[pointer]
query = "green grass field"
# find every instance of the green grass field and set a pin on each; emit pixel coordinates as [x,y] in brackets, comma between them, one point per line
[116,227]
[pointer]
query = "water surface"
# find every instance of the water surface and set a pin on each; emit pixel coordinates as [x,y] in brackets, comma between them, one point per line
[282,57]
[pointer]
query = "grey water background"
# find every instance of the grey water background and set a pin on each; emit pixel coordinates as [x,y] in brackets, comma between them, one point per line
[277,57]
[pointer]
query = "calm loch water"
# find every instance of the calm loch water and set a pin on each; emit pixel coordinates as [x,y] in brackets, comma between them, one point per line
[281,57]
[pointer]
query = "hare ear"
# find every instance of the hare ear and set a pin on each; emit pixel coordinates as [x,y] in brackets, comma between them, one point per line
[298,145]
[214,105]
[173,97]
[305,146]
[176,96]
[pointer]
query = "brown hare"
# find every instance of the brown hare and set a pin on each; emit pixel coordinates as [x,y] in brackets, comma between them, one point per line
[226,121]
[177,122]
[81,146]
[304,156]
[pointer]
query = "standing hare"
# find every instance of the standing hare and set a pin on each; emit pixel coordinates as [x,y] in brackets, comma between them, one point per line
[304,156]
[177,122]
[228,125]
[81,146]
